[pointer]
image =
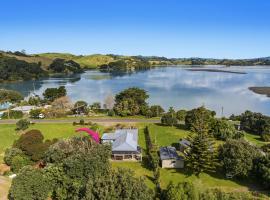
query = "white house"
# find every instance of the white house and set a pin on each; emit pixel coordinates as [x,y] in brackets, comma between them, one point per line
[124,144]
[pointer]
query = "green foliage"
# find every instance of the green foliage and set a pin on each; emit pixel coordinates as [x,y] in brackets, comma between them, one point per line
[130,102]
[156,111]
[262,169]
[169,118]
[31,143]
[237,156]
[10,153]
[118,184]
[18,162]
[12,69]
[80,107]
[199,119]
[35,113]
[62,66]
[181,115]
[201,155]
[22,124]
[72,162]
[12,114]
[30,183]
[217,194]
[222,129]
[34,101]
[10,96]
[181,191]
[51,94]
[256,123]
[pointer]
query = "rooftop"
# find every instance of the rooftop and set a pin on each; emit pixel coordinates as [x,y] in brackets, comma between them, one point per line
[123,139]
[168,153]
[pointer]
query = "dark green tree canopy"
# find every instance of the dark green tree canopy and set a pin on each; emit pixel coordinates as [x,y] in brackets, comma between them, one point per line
[51,94]
[237,156]
[10,96]
[63,66]
[130,101]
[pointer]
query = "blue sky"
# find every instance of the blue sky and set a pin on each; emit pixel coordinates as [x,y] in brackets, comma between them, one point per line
[171,28]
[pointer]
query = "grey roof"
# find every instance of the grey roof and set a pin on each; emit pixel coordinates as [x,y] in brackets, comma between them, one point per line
[123,139]
[168,153]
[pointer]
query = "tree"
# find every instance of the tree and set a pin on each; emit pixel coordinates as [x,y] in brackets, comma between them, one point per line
[12,114]
[169,118]
[156,111]
[222,129]
[30,183]
[10,153]
[181,115]
[198,120]
[201,155]
[130,102]
[62,103]
[18,162]
[10,96]
[109,102]
[51,94]
[181,191]
[62,66]
[31,143]
[80,107]
[22,124]
[96,106]
[72,162]
[119,184]
[34,101]
[237,156]
[262,169]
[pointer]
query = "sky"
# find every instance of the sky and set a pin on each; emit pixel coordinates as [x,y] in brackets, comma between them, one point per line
[171,28]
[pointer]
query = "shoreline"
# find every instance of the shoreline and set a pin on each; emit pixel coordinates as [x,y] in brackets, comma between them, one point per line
[216,70]
[265,90]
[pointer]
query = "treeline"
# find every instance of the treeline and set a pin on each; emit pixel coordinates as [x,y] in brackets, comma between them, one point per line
[12,69]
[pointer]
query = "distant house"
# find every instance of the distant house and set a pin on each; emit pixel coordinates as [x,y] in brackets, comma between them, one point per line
[4,106]
[124,144]
[183,145]
[24,109]
[169,158]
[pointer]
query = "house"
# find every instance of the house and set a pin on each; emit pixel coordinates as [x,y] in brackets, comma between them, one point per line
[124,144]
[169,158]
[4,106]
[24,109]
[183,145]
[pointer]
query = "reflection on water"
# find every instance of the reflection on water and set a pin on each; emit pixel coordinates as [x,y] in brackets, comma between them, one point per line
[169,86]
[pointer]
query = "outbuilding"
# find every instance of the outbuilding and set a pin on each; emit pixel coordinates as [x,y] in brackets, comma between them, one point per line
[170,158]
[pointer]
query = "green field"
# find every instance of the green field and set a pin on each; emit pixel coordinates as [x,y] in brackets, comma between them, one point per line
[255,139]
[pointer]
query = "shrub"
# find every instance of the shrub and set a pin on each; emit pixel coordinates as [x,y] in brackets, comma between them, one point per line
[18,162]
[31,143]
[10,153]
[29,184]
[22,124]
[12,114]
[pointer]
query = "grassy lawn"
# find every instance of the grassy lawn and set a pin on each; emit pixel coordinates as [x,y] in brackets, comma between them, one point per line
[50,131]
[255,139]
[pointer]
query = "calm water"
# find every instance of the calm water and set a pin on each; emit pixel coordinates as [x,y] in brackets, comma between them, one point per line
[168,86]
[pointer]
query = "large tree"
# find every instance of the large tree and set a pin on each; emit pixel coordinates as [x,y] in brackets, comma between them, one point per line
[10,96]
[201,155]
[51,94]
[181,191]
[131,101]
[199,119]
[30,183]
[237,156]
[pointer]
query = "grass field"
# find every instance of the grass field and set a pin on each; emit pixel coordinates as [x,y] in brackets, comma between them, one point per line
[255,139]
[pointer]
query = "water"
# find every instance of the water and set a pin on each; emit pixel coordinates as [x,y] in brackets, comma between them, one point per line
[168,86]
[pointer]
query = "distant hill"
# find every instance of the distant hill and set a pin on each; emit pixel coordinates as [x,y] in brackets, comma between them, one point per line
[100,60]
